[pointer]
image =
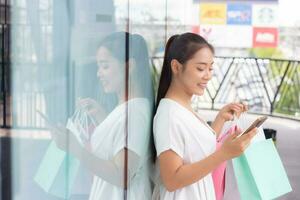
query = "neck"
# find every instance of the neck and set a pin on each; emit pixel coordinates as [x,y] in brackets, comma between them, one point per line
[133,92]
[177,93]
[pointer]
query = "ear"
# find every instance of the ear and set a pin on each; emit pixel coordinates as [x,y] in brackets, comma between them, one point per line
[176,66]
[131,64]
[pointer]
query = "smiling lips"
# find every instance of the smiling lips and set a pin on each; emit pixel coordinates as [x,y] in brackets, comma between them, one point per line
[202,85]
[104,82]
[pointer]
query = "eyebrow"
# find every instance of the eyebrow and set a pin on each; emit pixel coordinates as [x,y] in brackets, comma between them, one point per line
[102,61]
[203,63]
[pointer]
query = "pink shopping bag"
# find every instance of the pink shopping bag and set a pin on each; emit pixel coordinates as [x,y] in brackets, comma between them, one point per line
[218,174]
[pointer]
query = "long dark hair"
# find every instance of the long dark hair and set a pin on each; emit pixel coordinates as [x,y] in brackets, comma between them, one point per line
[182,48]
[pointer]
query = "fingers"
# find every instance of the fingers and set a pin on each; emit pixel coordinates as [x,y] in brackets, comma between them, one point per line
[246,108]
[253,132]
[235,133]
[238,108]
[248,136]
[89,105]
[54,134]
[85,102]
[58,130]
[235,145]
[244,140]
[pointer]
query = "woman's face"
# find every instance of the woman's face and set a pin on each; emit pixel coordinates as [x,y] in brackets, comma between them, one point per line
[109,71]
[197,71]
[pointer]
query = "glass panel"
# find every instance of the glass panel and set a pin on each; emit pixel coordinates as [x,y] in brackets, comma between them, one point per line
[143,44]
[70,115]
[181,16]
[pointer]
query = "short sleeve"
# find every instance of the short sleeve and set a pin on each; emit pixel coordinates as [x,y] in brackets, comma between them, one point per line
[168,134]
[119,137]
[137,129]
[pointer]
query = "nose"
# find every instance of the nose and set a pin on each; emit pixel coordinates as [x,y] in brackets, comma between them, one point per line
[208,74]
[99,72]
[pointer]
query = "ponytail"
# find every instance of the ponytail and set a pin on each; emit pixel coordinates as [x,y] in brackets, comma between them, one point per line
[166,73]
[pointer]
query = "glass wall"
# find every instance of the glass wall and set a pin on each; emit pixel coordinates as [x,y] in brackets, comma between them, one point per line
[82,100]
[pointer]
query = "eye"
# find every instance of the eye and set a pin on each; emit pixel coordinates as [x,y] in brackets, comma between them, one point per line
[200,69]
[211,69]
[105,66]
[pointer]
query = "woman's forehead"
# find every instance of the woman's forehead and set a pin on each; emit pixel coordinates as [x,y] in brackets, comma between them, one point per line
[103,51]
[203,56]
[104,55]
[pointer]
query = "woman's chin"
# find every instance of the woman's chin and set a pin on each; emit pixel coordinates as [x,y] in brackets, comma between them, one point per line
[199,92]
[107,90]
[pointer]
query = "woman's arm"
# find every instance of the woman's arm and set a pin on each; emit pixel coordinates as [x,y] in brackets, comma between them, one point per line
[175,174]
[111,171]
[217,125]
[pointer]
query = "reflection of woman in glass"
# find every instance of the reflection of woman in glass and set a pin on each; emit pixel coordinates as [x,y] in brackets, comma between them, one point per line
[185,144]
[118,153]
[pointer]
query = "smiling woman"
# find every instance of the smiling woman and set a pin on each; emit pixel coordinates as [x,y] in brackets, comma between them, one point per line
[120,139]
[185,144]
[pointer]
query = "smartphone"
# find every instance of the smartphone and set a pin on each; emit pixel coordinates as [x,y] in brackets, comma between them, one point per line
[47,120]
[257,123]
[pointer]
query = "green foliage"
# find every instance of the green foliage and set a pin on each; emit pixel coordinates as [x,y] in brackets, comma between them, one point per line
[266,53]
[287,101]
[289,93]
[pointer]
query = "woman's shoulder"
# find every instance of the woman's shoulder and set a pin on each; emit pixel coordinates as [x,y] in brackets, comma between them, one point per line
[169,110]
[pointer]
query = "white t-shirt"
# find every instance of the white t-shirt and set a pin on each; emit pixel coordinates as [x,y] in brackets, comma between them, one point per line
[109,138]
[178,129]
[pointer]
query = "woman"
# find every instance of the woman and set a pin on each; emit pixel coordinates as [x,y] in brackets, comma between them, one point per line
[185,144]
[118,154]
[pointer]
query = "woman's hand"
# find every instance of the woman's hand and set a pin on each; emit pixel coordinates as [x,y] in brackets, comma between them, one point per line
[63,139]
[227,112]
[234,146]
[92,108]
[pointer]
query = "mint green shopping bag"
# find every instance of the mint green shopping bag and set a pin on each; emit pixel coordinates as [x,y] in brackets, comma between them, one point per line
[260,173]
[57,172]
